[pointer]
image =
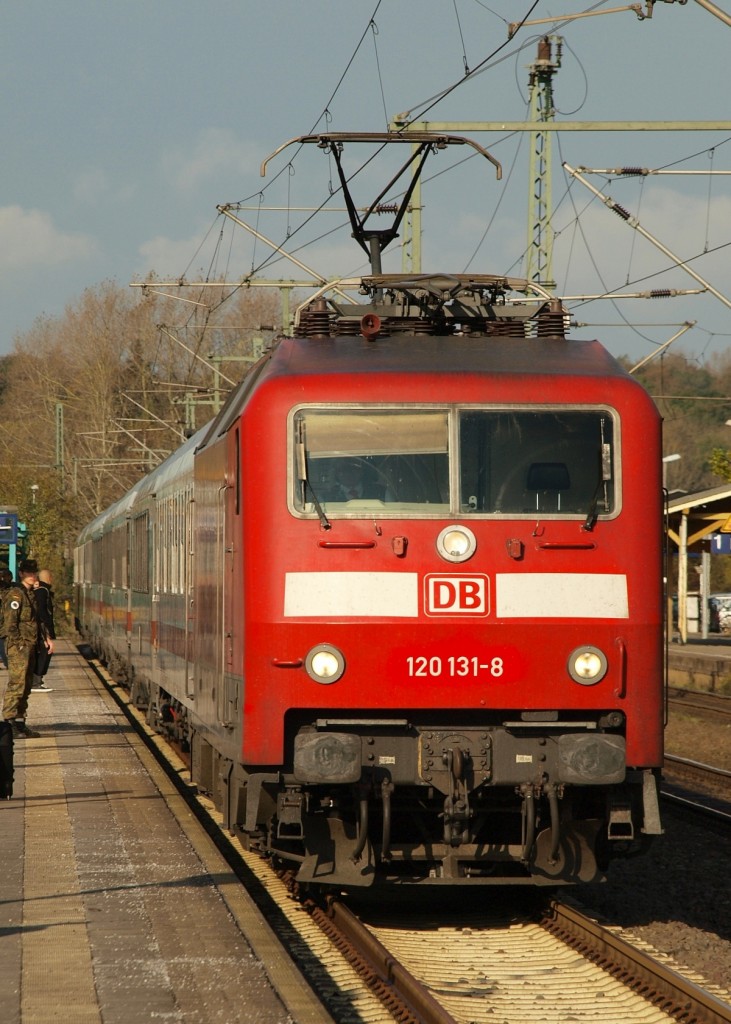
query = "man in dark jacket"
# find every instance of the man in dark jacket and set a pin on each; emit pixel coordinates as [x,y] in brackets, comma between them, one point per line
[6,578]
[46,630]
[20,625]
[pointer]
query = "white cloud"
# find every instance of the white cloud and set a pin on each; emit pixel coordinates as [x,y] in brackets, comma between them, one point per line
[217,151]
[29,238]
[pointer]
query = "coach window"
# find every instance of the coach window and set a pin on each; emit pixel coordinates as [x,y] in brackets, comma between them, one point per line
[371,461]
[537,462]
[140,554]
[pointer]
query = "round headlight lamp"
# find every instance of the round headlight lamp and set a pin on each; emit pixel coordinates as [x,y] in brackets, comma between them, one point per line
[587,665]
[325,664]
[456,543]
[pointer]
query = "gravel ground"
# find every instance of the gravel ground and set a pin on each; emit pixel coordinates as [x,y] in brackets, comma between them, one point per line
[677,897]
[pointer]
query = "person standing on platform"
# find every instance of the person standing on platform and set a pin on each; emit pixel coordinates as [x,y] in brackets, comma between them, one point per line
[20,625]
[6,579]
[46,630]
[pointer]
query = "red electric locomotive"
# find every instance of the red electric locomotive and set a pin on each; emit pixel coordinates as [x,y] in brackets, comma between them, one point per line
[403,596]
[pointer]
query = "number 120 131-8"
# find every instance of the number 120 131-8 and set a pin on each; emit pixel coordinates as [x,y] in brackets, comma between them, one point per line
[455,665]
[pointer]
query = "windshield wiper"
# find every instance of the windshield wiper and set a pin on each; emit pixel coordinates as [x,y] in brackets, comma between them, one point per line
[302,475]
[324,521]
[605,476]
[592,512]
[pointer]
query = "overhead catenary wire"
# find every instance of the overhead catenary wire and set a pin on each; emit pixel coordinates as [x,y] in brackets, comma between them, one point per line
[275,256]
[325,113]
[612,293]
[461,36]
[635,224]
[577,221]
[268,260]
[326,109]
[433,101]
[445,93]
[374,32]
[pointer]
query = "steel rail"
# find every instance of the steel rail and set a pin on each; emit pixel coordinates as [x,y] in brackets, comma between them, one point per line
[701,788]
[696,768]
[659,984]
[705,811]
[406,998]
[700,700]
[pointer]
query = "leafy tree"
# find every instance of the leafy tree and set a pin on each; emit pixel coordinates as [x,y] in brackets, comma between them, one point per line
[694,402]
[720,463]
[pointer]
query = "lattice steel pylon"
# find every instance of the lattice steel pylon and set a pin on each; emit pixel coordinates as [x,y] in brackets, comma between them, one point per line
[539,255]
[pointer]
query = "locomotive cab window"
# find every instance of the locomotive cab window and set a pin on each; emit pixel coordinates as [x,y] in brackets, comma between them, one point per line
[374,461]
[545,462]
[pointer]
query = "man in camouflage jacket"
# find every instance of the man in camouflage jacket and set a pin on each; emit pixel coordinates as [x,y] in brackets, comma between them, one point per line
[20,625]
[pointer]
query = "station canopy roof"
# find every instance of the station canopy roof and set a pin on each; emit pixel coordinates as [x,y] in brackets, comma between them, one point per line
[707,512]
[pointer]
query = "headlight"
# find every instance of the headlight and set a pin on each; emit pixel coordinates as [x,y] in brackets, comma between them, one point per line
[325,664]
[456,543]
[587,665]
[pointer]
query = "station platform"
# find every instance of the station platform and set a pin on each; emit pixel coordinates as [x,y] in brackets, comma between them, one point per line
[701,664]
[115,905]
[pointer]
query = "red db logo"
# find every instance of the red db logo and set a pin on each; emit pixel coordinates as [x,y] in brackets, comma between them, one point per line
[456,595]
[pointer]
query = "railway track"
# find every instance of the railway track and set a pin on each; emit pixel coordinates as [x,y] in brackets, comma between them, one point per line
[716,705]
[474,964]
[516,961]
[700,787]
[490,965]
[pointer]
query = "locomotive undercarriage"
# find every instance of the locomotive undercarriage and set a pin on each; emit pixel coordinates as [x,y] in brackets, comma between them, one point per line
[530,799]
[538,801]
[365,801]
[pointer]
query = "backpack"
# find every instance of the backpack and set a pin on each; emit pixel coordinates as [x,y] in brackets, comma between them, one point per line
[6,760]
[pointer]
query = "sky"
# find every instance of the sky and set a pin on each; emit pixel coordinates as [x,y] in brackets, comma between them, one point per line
[125,125]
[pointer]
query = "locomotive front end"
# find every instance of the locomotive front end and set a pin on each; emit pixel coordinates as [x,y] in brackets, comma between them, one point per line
[463,631]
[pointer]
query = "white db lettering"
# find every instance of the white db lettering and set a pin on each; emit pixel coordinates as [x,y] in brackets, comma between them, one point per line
[456,595]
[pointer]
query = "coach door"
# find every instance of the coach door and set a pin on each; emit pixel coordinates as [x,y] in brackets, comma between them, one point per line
[205,624]
[189,592]
[227,705]
[155,587]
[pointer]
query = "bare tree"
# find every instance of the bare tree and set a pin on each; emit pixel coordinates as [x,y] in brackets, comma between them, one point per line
[94,398]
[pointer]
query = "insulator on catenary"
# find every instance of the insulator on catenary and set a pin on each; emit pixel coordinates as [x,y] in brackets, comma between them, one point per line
[660,293]
[631,170]
[621,212]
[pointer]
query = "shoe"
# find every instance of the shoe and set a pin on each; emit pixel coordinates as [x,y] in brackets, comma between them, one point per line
[23,731]
[41,689]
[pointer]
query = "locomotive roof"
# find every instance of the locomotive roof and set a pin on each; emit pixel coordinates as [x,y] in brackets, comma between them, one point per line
[445,356]
[411,355]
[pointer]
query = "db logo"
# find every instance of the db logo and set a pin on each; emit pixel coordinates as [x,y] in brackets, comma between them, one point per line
[456,595]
